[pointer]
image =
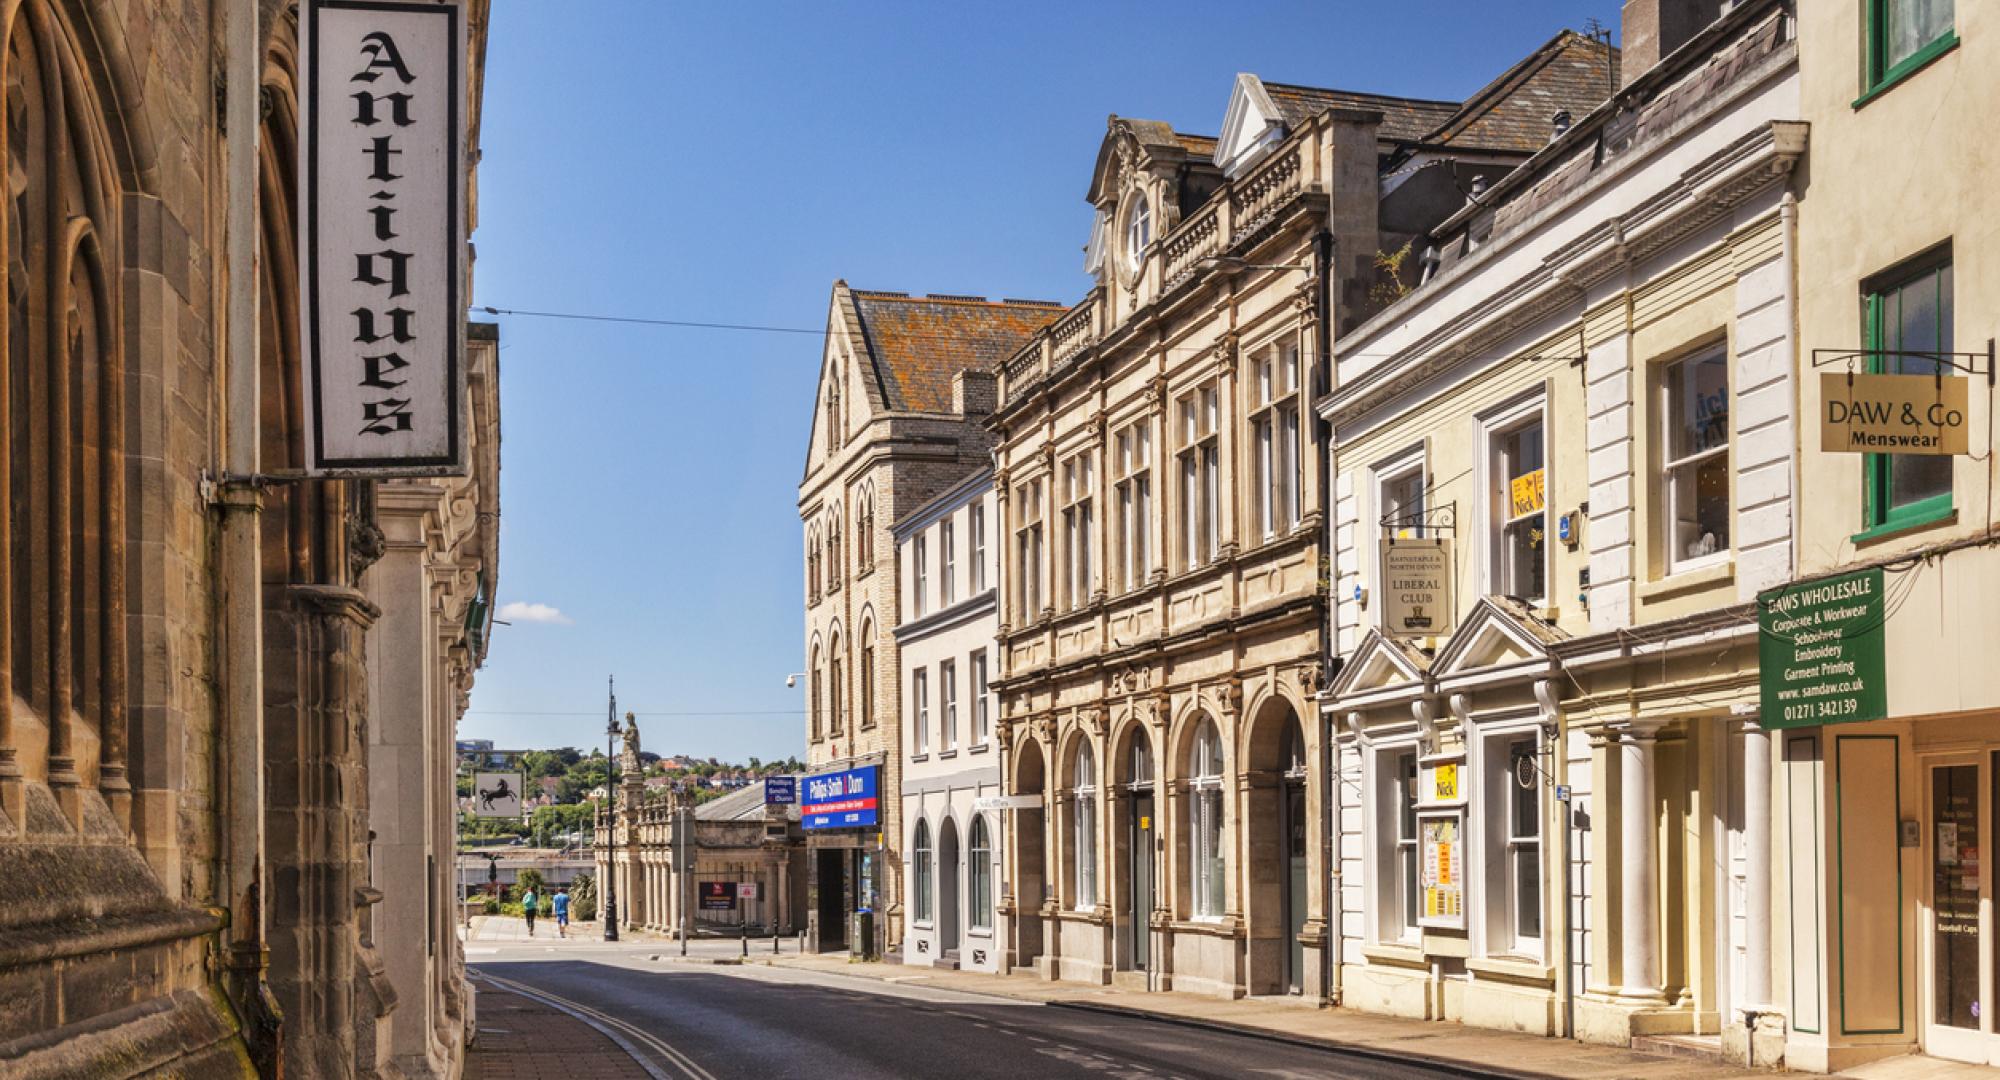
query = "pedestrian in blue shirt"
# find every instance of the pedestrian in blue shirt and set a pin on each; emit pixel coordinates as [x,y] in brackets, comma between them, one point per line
[528,904]
[562,912]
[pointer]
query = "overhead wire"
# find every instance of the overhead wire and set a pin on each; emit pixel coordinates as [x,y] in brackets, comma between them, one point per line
[765,328]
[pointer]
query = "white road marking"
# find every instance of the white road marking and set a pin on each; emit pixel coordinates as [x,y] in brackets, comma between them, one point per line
[602,1021]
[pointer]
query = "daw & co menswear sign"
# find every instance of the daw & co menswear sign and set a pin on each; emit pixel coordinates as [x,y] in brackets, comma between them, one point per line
[1900,414]
[382,237]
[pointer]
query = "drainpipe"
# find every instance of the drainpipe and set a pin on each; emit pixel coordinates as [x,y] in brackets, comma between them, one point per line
[241,740]
[1545,698]
[1788,230]
[1330,988]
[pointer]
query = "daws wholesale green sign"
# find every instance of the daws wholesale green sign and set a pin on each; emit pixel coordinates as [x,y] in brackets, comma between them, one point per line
[1819,652]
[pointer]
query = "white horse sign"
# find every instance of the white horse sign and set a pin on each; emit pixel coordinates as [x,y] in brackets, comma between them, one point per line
[496,794]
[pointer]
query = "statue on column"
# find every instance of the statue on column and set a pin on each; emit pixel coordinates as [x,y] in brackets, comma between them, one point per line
[632,773]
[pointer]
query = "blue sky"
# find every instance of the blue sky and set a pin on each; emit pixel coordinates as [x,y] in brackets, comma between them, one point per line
[727,162]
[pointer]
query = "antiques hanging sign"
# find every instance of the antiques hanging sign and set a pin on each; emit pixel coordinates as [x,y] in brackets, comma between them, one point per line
[1892,414]
[382,237]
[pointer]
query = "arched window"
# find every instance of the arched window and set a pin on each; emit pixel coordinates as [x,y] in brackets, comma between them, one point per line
[833,432]
[1205,814]
[62,428]
[1142,760]
[864,531]
[920,870]
[835,703]
[1083,791]
[815,690]
[812,567]
[980,875]
[866,675]
[833,553]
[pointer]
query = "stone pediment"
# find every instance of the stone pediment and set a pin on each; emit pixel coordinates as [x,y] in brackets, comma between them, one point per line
[1380,663]
[1250,128]
[1500,632]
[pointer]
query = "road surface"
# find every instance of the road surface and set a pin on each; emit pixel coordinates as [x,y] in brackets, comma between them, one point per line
[697,1022]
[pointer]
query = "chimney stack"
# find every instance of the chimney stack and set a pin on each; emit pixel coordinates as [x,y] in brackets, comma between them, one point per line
[1652,29]
[974,393]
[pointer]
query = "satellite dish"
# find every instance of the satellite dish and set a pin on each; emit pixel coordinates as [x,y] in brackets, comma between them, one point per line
[1525,771]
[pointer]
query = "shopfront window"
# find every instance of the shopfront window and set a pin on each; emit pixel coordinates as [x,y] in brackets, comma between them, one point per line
[1955,871]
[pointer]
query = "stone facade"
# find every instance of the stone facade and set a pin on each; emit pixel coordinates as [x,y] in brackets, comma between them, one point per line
[164,919]
[904,385]
[1164,612]
[433,583]
[656,847]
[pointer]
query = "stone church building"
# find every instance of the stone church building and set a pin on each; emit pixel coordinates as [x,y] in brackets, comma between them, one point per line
[198,702]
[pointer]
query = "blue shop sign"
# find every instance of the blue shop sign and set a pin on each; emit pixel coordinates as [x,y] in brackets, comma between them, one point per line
[841,800]
[781,790]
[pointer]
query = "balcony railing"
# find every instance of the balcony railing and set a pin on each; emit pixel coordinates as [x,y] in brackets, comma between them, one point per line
[1197,238]
[1254,198]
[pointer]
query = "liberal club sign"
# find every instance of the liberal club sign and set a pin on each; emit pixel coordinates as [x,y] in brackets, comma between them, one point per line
[381,232]
[842,800]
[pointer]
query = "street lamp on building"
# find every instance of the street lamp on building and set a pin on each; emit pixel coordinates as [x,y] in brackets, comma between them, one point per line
[611,817]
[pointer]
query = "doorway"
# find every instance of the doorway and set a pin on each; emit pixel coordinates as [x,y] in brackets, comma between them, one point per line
[1141,852]
[1958,939]
[948,871]
[1294,833]
[830,882]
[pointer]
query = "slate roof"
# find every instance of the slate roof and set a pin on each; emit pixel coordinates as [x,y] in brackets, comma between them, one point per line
[1403,119]
[1516,110]
[1196,145]
[918,343]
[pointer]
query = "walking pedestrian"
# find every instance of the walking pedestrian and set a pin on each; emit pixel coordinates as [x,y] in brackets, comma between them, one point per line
[562,912]
[529,901]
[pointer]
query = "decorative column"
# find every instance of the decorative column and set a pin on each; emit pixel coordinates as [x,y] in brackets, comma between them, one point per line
[1757,852]
[1639,836]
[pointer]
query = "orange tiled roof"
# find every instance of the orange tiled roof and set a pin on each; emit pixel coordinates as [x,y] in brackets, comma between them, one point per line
[919,342]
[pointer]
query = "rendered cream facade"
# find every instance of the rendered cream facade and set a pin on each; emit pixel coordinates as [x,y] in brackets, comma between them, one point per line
[1887,927]
[1602,647]
[948,559]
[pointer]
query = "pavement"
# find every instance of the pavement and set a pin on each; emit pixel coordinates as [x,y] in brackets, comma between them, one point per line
[735,993]
[521,1038]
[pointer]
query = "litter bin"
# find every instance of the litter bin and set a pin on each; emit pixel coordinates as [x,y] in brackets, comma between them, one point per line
[861,940]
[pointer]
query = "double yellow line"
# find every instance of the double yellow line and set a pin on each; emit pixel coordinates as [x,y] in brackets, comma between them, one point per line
[616,1030]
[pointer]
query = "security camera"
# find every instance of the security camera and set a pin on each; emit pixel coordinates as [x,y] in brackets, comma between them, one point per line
[791,681]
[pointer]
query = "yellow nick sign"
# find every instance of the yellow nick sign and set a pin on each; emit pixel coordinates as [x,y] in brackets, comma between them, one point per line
[1527,493]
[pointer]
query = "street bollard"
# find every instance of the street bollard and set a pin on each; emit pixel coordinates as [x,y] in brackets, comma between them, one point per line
[774,937]
[802,941]
[746,940]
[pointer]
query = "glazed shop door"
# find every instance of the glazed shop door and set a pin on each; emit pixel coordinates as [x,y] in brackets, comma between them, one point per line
[1958,932]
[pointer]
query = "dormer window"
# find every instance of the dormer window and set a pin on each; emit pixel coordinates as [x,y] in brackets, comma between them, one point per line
[1138,231]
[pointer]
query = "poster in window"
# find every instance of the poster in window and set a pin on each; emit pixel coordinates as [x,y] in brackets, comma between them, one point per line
[1527,494]
[1442,871]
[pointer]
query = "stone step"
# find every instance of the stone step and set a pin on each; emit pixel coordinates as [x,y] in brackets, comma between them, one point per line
[1698,1047]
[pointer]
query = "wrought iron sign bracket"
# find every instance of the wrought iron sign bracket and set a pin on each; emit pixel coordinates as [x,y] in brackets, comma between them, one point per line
[1431,519]
[1971,363]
